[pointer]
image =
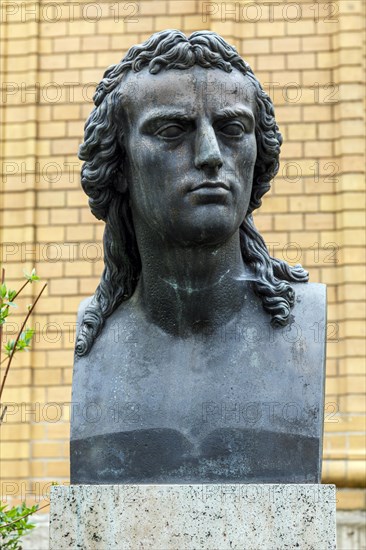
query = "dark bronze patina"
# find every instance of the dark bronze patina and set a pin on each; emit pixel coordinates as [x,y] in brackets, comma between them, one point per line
[200,358]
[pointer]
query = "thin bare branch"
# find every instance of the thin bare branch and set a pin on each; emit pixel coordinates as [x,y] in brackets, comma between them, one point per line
[3,413]
[17,340]
[1,326]
[21,288]
[17,294]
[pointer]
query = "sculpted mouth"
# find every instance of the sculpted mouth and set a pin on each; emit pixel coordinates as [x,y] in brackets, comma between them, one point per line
[210,185]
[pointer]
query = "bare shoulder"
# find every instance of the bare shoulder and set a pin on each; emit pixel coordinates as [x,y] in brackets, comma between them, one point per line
[310,291]
[311,300]
[82,307]
[123,318]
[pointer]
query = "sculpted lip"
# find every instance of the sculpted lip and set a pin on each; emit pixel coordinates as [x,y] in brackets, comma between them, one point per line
[210,185]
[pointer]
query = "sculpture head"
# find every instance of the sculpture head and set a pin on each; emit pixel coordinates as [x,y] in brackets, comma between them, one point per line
[122,155]
[189,139]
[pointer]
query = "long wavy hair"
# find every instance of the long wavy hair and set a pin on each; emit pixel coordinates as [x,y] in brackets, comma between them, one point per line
[103,179]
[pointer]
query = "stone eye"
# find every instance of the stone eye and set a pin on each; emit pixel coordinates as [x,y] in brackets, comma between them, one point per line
[170,132]
[233,129]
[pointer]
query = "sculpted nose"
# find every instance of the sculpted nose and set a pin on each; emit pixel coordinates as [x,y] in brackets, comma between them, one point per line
[207,149]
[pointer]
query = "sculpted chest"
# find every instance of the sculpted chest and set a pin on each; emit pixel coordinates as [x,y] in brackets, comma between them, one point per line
[152,408]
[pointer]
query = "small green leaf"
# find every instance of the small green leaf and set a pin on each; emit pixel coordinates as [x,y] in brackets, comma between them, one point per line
[11,295]
[29,332]
[3,314]
[9,345]
[31,276]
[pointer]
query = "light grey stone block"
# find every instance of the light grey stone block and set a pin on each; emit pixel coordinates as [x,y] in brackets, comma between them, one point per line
[38,538]
[193,517]
[351,530]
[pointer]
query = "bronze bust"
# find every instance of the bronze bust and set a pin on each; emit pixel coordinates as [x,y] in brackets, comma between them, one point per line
[196,352]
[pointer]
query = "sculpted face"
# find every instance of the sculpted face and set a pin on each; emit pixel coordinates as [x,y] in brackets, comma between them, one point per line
[190,152]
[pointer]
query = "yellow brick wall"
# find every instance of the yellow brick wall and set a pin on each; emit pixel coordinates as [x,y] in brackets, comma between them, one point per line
[308,56]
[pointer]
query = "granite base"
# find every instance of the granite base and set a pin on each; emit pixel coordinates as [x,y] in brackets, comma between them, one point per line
[193,517]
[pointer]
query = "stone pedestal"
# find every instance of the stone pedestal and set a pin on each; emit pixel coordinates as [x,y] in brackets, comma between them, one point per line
[194,517]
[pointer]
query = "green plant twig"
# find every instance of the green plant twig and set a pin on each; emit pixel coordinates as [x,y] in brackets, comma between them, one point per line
[26,515]
[17,339]
[1,326]
[1,345]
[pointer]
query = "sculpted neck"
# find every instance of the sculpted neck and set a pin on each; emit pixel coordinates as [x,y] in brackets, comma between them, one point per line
[186,290]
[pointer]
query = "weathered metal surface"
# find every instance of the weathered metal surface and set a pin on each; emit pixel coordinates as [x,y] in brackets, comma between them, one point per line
[243,404]
[179,374]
